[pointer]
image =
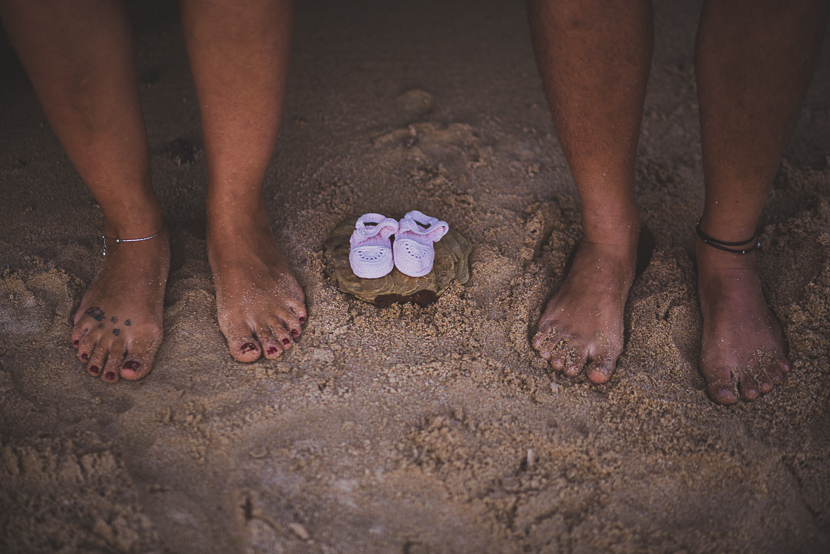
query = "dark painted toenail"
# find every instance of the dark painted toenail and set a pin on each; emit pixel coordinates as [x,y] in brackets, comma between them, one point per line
[248,347]
[94,369]
[294,333]
[109,375]
[84,356]
[286,341]
[76,343]
[132,365]
[273,350]
[302,319]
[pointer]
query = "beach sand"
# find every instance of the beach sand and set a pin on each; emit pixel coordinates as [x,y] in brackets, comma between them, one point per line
[409,429]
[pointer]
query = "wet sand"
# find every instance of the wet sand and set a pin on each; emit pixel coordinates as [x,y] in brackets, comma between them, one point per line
[409,429]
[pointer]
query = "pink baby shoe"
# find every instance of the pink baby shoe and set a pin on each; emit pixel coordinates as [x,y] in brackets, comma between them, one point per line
[413,250]
[370,254]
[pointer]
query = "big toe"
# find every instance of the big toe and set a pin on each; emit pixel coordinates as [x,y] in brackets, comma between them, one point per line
[139,361]
[719,387]
[241,342]
[600,370]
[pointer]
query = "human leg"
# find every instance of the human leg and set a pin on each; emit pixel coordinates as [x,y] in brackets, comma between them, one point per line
[594,60]
[754,61]
[80,59]
[239,56]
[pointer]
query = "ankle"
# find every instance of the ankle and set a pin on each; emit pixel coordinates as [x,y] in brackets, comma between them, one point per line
[236,216]
[621,235]
[136,223]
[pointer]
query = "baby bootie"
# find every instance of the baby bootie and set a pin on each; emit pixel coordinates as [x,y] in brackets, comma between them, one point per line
[413,251]
[370,254]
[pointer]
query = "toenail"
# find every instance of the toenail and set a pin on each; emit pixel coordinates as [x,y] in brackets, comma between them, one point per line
[302,319]
[109,375]
[132,365]
[248,347]
[273,350]
[94,369]
[294,333]
[286,341]
[84,356]
[75,343]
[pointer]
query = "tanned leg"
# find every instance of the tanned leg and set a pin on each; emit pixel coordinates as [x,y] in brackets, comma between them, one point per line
[239,56]
[79,56]
[754,62]
[594,58]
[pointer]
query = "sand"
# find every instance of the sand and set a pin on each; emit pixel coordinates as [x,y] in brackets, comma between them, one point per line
[408,429]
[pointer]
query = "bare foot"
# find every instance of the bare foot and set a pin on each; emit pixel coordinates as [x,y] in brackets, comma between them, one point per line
[118,326]
[582,326]
[259,304]
[743,345]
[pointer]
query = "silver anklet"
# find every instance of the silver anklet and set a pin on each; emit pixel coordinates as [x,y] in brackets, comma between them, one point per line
[105,238]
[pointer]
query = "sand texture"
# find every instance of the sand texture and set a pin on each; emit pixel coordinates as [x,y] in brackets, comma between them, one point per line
[409,429]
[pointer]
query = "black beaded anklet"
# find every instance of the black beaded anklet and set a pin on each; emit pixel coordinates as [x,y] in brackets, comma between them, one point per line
[723,245]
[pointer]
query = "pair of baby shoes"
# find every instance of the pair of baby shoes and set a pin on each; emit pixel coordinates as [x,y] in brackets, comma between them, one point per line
[372,255]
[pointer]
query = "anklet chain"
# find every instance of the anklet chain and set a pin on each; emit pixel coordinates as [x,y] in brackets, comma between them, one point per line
[723,245]
[105,238]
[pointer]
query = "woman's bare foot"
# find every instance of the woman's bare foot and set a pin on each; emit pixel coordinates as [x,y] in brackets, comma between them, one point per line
[743,345]
[119,324]
[582,326]
[259,304]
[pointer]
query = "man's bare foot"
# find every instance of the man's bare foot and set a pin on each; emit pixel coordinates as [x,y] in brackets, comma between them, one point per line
[118,326]
[582,326]
[259,304]
[743,345]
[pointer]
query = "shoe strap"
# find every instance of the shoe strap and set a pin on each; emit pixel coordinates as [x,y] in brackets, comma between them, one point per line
[420,224]
[381,222]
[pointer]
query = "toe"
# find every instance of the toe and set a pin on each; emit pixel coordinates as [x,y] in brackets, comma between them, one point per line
[245,349]
[271,346]
[292,325]
[138,361]
[86,347]
[111,368]
[541,345]
[765,381]
[299,311]
[748,386]
[570,368]
[281,334]
[96,361]
[78,333]
[241,342]
[541,340]
[243,346]
[290,318]
[777,372]
[573,360]
[600,370]
[134,368]
[721,394]
[719,386]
